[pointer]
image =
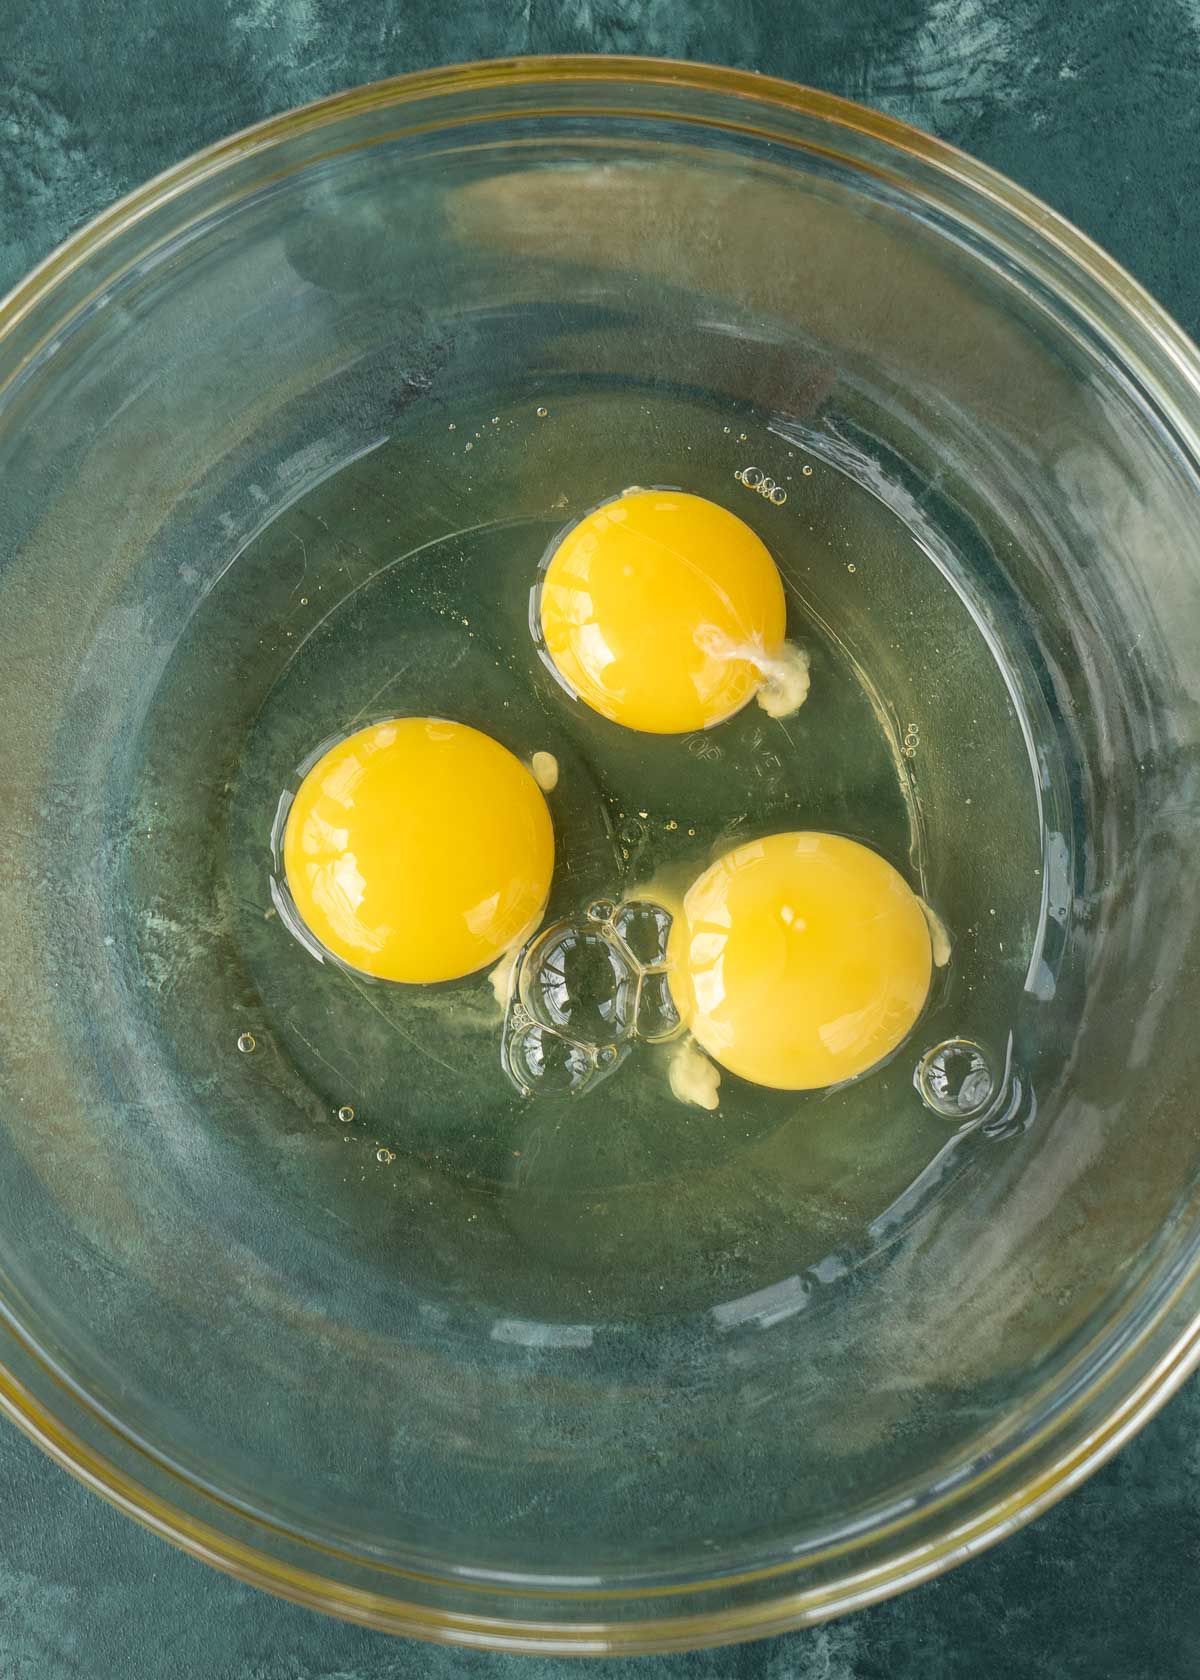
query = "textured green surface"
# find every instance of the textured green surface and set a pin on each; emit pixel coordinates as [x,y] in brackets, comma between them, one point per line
[1090,103]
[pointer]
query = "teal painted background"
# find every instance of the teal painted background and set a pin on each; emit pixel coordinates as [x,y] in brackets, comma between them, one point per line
[1094,105]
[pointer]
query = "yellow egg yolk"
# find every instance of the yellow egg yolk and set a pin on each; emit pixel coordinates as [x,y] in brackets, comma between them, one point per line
[654,606]
[800,960]
[419,850]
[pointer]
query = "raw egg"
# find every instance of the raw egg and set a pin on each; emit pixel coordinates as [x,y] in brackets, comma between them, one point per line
[800,960]
[660,609]
[419,850]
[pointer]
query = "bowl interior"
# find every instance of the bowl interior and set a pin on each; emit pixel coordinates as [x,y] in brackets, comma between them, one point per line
[281,447]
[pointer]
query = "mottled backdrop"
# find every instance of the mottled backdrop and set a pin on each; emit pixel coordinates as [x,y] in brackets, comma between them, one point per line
[1093,104]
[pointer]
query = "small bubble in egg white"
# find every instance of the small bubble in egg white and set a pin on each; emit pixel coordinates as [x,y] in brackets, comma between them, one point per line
[345,1114]
[470,446]
[542,413]
[807,471]
[246,1043]
[385,1156]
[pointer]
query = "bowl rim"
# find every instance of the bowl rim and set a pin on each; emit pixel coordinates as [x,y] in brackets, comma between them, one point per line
[1169,1364]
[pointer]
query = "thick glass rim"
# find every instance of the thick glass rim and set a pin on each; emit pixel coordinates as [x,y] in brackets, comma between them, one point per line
[1160,1344]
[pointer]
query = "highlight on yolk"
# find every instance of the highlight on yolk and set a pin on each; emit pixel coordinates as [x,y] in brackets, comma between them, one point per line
[654,606]
[419,850]
[800,960]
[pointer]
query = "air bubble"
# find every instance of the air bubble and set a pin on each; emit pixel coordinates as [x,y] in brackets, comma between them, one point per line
[644,927]
[807,471]
[751,477]
[601,910]
[385,1156]
[542,413]
[543,1061]
[777,495]
[656,1016]
[246,1043]
[575,979]
[954,1079]
[345,1114]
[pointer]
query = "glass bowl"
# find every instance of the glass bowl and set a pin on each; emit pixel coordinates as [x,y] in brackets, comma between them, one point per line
[566,1387]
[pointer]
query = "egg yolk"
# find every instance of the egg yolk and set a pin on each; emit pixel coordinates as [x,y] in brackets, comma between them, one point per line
[654,606]
[419,850]
[800,960]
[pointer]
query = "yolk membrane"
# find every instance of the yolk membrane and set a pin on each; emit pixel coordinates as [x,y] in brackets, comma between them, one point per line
[800,960]
[657,609]
[419,850]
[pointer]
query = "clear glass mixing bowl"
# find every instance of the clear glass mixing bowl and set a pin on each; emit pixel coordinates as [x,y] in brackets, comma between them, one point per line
[478,1412]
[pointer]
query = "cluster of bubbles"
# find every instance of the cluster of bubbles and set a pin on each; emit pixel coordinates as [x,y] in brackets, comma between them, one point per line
[754,478]
[584,991]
